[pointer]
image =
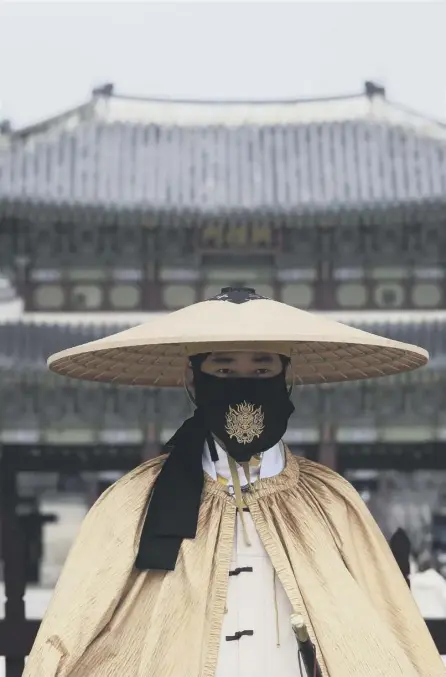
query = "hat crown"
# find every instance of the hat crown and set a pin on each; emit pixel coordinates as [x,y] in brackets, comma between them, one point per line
[238,295]
[228,290]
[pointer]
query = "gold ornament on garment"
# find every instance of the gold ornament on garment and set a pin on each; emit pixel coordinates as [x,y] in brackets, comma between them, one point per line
[244,422]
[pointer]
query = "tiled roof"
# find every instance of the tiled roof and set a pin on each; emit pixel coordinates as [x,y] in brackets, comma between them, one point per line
[346,153]
[27,346]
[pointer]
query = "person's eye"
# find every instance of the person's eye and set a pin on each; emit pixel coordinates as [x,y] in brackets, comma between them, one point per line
[224,371]
[261,372]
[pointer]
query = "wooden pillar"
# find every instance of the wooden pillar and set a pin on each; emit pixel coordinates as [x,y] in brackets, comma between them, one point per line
[22,279]
[12,628]
[152,446]
[327,453]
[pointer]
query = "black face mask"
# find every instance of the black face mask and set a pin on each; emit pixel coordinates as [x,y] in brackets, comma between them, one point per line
[247,415]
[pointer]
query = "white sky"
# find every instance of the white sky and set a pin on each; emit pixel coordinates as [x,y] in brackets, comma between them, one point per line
[53,54]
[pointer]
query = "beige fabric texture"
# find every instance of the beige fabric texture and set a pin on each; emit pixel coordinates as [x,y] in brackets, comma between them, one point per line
[108,620]
[156,353]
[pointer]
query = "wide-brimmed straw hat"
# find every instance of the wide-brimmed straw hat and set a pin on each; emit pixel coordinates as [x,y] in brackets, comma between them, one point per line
[156,353]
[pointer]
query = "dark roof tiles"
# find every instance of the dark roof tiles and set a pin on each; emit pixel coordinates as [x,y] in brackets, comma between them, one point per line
[283,163]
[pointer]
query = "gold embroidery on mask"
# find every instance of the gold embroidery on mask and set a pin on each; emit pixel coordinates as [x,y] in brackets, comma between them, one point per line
[244,422]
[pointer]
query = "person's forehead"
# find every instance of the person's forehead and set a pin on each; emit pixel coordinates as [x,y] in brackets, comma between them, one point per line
[232,356]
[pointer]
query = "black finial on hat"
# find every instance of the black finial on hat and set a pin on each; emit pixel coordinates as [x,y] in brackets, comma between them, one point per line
[237,295]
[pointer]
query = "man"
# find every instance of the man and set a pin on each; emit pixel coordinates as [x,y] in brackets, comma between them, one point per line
[193,563]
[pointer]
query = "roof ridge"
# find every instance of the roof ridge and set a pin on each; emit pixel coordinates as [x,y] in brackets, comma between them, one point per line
[408,110]
[237,102]
[43,125]
[378,106]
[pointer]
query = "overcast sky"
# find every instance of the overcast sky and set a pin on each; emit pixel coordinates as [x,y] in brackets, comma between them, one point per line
[52,55]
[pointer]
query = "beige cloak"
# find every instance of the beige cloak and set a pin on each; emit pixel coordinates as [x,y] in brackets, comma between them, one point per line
[108,620]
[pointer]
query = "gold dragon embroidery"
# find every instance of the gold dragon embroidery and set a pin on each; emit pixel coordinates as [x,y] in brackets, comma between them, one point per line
[244,422]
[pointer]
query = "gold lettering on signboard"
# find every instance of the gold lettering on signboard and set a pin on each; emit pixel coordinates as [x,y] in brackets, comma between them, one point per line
[212,236]
[237,236]
[262,236]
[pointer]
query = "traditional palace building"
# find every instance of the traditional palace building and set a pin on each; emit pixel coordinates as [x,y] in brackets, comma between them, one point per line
[125,207]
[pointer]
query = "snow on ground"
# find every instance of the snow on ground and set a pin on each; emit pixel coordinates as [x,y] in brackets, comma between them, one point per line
[429,590]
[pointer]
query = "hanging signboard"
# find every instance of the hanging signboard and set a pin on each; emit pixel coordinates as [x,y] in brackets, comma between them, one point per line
[239,237]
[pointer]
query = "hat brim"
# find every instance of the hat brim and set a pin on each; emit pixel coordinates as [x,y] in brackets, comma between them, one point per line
[156,353]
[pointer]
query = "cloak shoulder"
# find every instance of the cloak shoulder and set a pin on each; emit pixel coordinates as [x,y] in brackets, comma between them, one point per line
[104,550]
[368,557]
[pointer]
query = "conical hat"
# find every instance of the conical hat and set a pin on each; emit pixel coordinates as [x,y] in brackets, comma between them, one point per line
[156,353]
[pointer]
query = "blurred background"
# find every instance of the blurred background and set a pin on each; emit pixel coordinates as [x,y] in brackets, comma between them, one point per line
[151,154]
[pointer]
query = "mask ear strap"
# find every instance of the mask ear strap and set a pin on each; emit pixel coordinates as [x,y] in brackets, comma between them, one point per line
[293,382]
[188,392]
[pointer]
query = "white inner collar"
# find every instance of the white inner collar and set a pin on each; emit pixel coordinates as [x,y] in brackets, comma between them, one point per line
[272,463]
